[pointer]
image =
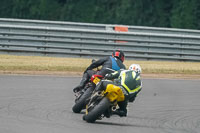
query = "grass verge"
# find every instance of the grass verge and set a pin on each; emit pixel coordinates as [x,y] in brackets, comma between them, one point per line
[75,66]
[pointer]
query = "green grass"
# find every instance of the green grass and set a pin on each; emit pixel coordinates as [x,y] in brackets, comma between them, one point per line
[15,64]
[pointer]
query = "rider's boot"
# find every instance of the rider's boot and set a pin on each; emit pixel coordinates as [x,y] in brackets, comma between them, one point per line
[121,113]
[83,82]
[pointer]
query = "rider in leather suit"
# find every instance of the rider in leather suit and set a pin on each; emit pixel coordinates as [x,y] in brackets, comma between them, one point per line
[130,83]
[114,62]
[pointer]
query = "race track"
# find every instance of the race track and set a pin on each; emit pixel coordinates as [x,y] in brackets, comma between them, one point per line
[42,104]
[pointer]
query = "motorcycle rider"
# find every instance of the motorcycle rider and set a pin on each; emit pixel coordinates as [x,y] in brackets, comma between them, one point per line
[114,62]
[130,83]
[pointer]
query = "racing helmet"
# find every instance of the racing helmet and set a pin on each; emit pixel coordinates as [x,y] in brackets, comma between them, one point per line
[118,54]
[136,68]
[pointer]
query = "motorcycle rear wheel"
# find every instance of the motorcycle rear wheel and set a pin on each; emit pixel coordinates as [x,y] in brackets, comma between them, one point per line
[97,111]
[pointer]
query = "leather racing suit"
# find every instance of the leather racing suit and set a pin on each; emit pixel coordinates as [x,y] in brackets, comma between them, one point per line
[108,65]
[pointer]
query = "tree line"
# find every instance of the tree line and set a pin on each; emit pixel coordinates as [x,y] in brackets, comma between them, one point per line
[155,13]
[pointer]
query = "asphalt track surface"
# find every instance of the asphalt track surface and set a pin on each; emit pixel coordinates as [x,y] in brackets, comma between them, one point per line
[42,104]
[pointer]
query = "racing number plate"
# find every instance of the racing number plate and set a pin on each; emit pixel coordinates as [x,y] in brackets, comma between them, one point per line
[96,80]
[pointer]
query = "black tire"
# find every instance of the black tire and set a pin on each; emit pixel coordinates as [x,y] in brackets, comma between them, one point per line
[97,111]
[81,103]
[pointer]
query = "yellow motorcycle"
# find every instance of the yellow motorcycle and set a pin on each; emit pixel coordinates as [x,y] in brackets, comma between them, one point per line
[103,103]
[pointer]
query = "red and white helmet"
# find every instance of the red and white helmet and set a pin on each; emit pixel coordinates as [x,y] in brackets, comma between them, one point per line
[119,54]
[136,68]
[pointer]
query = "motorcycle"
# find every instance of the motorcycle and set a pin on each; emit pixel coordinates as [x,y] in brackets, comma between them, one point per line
[83,95]
[103,103]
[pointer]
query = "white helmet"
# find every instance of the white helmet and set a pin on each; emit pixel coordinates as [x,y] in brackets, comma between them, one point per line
[136,68]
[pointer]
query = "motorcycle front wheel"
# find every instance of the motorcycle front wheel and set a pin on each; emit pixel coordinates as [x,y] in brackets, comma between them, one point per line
[81,102]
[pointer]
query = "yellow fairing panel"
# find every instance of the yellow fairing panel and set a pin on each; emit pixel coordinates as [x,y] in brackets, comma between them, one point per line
[114,93]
